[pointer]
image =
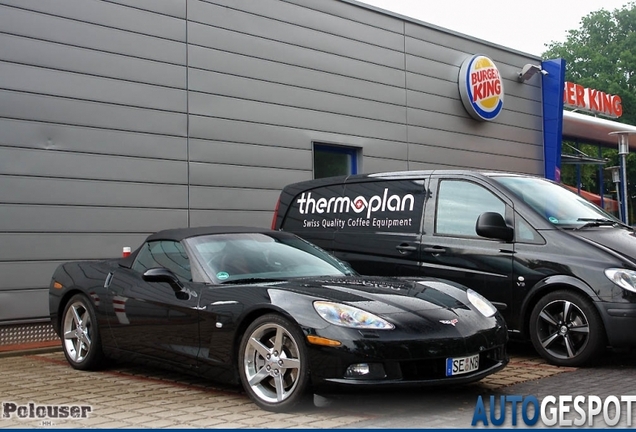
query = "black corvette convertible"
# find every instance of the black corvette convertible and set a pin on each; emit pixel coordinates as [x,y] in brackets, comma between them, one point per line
[274,313]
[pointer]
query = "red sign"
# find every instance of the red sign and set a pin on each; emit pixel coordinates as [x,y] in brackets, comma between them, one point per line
[578,97]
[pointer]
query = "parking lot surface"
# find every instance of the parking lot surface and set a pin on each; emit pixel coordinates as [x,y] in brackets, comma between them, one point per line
[128,396]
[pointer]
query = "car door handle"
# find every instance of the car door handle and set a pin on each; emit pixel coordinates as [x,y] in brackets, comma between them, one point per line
[435,250]
[405,248]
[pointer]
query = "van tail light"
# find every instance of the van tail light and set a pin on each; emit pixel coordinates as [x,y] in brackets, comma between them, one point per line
[275,214]
[126,251]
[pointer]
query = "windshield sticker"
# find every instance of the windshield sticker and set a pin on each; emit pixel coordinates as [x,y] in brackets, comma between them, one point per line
[222,275]
[364,211]
[553,220]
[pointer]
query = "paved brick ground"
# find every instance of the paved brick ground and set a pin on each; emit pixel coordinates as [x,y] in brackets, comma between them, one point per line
[130,397]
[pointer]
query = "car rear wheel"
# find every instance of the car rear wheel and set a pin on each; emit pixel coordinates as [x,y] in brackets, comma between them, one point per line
[80,334]
[566,329]
[273,363]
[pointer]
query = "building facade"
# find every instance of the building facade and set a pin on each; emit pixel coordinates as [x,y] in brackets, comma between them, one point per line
[122,117]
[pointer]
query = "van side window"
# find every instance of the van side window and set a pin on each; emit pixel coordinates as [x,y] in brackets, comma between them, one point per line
[459,204]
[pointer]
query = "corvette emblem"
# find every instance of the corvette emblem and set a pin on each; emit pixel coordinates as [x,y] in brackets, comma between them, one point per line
[451,322]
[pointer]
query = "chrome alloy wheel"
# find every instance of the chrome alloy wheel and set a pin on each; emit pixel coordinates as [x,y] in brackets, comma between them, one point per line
[272,363]
[77,332]
[563,329]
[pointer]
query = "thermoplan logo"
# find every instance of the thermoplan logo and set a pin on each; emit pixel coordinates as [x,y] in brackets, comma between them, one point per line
[359,204]
[481,87]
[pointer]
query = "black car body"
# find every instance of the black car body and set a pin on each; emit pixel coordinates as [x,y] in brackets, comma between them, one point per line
[273,312]
[561,270]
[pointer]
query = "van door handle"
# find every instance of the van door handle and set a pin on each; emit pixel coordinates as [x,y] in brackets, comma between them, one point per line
[405,248]
[435,250]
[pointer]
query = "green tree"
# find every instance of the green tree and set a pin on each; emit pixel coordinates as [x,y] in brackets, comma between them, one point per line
[602,55]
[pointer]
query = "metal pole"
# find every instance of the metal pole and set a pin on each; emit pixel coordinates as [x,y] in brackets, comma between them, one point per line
[623,151]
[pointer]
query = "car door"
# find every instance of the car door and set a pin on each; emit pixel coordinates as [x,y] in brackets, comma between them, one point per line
[380,235]
[150,318]
[451,248]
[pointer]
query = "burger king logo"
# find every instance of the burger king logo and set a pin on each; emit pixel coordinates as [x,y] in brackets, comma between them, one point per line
[481,87]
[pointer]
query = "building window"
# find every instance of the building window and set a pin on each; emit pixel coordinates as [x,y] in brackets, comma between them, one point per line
[332,160]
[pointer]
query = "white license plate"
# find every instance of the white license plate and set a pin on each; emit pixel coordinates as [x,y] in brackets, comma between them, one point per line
[462,365]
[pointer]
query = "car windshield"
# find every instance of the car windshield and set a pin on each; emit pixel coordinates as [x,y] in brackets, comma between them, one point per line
[258,257]
[557,204]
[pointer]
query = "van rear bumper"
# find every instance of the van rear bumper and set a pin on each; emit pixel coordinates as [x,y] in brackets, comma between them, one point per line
[620,321]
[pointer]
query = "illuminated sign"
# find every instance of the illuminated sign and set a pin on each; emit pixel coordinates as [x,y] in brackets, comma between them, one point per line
[481,87]
[586,99]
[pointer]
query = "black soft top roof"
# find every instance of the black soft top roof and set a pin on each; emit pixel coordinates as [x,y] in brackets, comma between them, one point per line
[179,234]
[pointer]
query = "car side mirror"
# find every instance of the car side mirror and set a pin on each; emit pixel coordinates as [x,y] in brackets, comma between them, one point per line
[492,225]
[161,274]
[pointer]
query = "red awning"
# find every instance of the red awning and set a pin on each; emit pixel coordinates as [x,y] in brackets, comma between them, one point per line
[609,204]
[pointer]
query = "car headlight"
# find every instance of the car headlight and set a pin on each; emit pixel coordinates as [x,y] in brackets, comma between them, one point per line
[349,316]
[625,279]
[481,303]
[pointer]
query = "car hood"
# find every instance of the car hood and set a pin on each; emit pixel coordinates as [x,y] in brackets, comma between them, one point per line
[619,240]
[385,295]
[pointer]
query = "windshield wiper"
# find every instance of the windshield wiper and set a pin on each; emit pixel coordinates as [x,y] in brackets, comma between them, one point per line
[595,222]
[252,280]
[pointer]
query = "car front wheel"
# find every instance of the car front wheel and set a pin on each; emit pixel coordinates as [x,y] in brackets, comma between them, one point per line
[566,329]
[273,363]
[80,334]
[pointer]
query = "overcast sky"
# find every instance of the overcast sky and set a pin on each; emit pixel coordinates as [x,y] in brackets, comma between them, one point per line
[525,26]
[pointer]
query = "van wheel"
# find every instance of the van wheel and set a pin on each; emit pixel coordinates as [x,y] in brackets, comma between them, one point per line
[566,329]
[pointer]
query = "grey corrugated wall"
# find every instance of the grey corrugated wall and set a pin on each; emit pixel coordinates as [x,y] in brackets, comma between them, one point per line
[122,117]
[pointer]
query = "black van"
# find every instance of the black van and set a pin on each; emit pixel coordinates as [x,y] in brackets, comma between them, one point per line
[561,270]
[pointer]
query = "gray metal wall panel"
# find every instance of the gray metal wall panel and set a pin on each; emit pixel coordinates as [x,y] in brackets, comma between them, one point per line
[237,109]
[15,305]
[175,8]
[46,54]
[353,13]
[437,121]
[49,163]
[49,136]
[53,109]
[469,143]
[249,155]
[261,219]
[42,190]
[459,42]
[372,164]
[26,274]
[279,94]
[90,88]
[223,198]
[65,31]
[212,37]
[467,158]
[108,15]
[68,247]
[38,218]
[94,118]
[294,76]
[323,22]
[231,176]
[286,30]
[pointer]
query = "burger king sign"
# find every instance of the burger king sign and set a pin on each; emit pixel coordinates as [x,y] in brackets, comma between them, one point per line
[481,87]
